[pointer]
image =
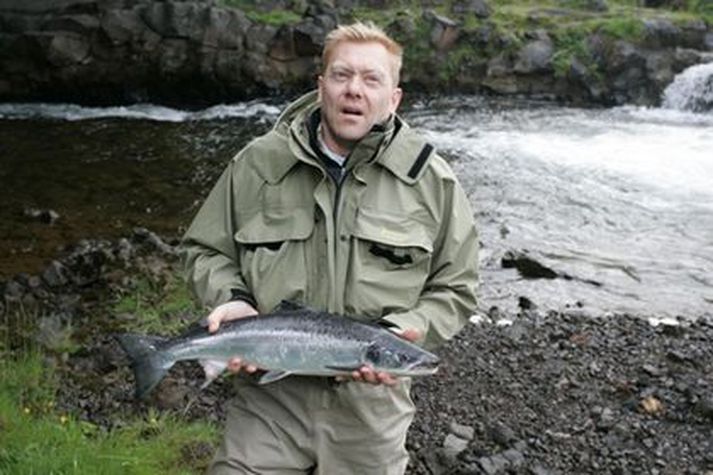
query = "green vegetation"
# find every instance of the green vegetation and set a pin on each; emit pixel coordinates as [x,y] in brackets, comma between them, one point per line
[156,305]
[37,438]
[270,17]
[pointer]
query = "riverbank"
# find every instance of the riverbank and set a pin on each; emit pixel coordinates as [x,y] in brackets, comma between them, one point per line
[201,52]
[529,393]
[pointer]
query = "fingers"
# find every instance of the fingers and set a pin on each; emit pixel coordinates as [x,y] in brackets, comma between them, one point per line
[366,374]
[229,311]
[236,365]
[411,334]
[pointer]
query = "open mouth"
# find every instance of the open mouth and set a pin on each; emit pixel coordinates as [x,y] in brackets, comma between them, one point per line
[352,111]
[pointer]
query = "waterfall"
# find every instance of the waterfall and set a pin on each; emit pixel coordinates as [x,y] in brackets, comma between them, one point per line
[692,90]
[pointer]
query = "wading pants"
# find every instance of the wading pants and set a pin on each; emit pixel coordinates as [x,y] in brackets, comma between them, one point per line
[312,425]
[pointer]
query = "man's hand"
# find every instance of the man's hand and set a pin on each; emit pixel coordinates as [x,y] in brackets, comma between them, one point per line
[368,375]
[225,313]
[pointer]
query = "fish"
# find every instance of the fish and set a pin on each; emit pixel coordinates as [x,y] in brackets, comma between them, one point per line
[291,340]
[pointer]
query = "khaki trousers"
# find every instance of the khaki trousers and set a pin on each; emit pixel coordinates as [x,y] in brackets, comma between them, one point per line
[312,425]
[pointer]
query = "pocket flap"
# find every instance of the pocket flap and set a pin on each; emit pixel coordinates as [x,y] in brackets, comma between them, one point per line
[276,225]
[392,229]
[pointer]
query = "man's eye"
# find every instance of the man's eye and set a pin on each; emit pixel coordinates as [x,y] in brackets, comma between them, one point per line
[340,75]
[372,80]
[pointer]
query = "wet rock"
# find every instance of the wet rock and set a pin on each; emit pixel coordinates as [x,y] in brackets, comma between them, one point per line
[527,266]
[13,291]
[143,235]
[47,216]
[55,275]
[525,303]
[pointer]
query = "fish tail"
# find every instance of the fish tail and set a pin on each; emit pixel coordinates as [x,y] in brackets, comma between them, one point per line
[149,363]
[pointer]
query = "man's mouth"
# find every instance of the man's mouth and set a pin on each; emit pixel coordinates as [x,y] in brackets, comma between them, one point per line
[352,111]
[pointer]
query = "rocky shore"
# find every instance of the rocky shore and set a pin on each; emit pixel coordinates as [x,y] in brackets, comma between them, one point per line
[540,392]
[208,51]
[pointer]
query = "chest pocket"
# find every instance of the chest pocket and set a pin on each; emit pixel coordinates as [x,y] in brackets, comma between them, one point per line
[390,262]
[272,243]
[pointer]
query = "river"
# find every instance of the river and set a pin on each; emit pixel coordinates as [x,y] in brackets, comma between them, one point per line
[620,201]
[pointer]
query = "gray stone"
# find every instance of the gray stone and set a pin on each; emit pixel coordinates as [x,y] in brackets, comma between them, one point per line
[122,26]
[78,24]
[479,8]
[453,445]
[661,33]
[444,31]
[514,457]
[535,57]
[494,464]
[13,291]
[55,275]
[66,49]
[462,431]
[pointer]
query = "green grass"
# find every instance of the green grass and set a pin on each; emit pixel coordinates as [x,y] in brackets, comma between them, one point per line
[37,439]
[158,306]
[272,17]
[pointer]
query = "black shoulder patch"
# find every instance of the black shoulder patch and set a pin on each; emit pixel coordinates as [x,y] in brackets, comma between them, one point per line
[420,161]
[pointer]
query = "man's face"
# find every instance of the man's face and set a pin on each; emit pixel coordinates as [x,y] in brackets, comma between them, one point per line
[357,91]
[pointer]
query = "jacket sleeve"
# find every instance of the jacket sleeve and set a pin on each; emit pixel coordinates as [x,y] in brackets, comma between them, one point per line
[449,297]
[208,251]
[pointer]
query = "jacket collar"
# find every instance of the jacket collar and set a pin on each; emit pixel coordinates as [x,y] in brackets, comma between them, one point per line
[393,145]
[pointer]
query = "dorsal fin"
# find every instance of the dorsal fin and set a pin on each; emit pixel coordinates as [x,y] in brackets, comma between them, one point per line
[290,306]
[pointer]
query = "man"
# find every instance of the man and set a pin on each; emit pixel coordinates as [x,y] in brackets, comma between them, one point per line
[344,208]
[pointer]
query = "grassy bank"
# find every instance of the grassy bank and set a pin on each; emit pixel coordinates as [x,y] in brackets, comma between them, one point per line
[36,438]
[568,22]
[40,436]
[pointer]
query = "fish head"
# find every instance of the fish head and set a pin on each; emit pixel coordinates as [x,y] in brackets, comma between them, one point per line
[401,359]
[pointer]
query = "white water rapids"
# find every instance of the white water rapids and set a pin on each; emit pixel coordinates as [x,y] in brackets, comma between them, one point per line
[622,197]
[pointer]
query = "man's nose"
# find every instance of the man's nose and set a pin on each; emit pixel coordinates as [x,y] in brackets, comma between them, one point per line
[355,85]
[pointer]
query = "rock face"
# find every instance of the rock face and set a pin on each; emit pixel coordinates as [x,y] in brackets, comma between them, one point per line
[198,51]
[136,50]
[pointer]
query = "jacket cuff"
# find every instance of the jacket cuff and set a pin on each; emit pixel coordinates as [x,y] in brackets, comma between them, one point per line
[238,294]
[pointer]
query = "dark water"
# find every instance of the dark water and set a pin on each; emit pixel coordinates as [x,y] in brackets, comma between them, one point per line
[621,197]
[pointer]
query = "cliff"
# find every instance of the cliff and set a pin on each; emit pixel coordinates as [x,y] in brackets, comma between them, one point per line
[206,51]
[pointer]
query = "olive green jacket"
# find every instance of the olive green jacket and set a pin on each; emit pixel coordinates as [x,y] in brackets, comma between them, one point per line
[396,240]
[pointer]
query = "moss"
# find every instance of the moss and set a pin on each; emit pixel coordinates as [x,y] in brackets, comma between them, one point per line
[627,28]
[273,17]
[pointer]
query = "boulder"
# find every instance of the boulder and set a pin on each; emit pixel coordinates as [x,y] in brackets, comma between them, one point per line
[479,8]
[444,31]
[535,57]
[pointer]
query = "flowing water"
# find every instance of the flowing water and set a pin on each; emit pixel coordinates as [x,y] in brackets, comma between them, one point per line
[618,200]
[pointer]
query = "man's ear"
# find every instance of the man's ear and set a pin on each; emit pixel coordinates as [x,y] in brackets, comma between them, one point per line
[396,96]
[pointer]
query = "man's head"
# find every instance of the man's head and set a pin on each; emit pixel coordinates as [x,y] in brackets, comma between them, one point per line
[358,87]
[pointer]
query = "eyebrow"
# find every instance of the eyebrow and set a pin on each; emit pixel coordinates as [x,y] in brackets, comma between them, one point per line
[343,67]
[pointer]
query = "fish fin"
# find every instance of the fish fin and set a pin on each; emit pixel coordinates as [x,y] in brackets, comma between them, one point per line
[272,376]
[290,306]
[149,362]
[138,345]
[344,368]
[212,370]
[387,324]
